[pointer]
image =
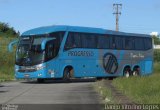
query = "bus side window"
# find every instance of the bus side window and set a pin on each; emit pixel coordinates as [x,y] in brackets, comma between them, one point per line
[113,43]
[91,41]
[77,40]
[59,37]
[69,42]
[73,41]
[148,43]
[103,42]
[139,43]
[50,50]
[128,43]
[119,42]
[88,41]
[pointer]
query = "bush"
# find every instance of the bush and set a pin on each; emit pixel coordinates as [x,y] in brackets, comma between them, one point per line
[157,55]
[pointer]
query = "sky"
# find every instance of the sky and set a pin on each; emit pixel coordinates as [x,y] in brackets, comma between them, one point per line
[138,16]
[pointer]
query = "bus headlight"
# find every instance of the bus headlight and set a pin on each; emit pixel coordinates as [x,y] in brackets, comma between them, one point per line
[40,67]
[16,68]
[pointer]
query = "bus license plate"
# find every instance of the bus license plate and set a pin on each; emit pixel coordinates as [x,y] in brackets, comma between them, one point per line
[26,75]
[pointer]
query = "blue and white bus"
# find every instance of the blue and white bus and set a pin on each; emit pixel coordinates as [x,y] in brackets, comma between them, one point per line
[77,52]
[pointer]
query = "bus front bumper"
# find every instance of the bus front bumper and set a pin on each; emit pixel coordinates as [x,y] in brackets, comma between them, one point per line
[30,75]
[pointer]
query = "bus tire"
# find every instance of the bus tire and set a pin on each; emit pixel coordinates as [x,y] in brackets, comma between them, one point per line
[71,73]
[127,72]
[136,72]
[66,75]
[40,80]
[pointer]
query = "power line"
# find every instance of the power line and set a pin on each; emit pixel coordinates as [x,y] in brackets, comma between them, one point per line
[117,12]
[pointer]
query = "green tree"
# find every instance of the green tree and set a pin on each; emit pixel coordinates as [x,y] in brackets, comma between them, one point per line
[7,31]
[156,40]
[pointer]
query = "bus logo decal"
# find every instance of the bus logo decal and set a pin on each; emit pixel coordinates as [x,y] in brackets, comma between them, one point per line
[110,63]
[81,53]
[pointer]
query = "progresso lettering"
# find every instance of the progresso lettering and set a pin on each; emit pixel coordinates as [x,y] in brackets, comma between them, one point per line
[81,53]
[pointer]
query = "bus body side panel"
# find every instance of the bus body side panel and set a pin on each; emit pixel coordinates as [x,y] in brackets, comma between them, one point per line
[94,63]
[149,67]
[105,63]
[149,62]
[144,60]
[82,63]
[52,68]
[117,60]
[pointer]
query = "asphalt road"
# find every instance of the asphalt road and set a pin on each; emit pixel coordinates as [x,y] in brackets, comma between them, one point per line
[52,95]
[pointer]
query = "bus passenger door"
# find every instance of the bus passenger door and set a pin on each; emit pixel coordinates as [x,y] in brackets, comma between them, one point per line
[51,52]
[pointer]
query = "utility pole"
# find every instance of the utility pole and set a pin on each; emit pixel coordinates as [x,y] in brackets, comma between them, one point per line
[117,12]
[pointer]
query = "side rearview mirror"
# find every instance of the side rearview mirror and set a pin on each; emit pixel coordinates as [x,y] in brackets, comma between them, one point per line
[11,44]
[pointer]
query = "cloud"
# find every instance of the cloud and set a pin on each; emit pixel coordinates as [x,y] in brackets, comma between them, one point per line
[154,33]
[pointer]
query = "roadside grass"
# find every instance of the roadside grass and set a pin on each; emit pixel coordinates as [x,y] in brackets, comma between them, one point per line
[142,90]
[105,93]
[6,60]
[6,73]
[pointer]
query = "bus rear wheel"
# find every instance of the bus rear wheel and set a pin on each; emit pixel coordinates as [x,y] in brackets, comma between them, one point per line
[127,72]
[136,72]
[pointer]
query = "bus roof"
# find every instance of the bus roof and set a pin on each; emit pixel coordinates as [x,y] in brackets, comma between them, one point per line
[56,28]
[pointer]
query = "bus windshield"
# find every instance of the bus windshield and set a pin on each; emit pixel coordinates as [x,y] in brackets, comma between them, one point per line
[29,51]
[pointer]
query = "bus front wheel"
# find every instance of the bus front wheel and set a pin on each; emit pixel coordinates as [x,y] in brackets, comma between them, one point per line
[66,75]
[40,80]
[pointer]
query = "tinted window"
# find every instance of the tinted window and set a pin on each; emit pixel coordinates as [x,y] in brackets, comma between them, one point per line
[88,41]
[128,43]
[116,42]
[51,50]
[80,40]
[77,40]
[59,37]
[139,43]
[119,42]
[148,43]
[103,42]
[73,41]
[69,43]
[38,40]
[113,43]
